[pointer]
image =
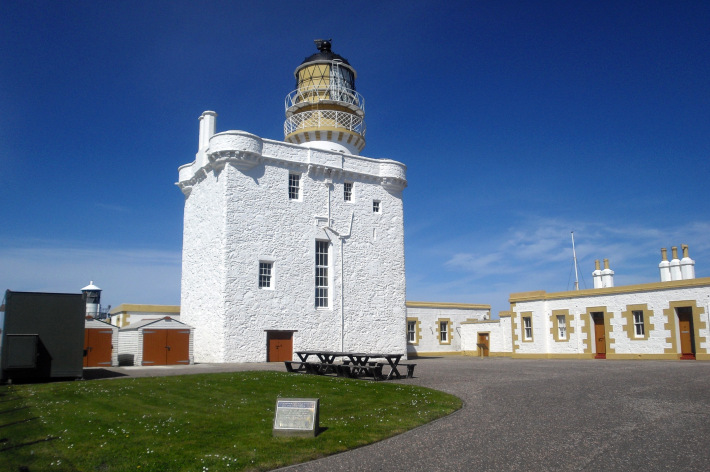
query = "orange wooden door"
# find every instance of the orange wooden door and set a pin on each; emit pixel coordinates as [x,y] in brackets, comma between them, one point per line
[280,346]
[154,342]
[599,335]
[483,344]
[685,324]
[98,345]
[178,346]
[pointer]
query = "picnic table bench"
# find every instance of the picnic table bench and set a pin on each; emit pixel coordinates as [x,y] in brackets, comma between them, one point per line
[353,364]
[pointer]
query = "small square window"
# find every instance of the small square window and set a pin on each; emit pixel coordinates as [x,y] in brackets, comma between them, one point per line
[375,206]
[348,191]
[265,274]
[294,187]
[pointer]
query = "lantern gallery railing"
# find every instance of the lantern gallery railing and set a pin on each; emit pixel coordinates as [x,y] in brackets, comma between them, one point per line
[324,119]
[315,94]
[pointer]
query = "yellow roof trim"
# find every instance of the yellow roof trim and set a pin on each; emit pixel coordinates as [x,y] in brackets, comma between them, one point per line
[462,306]
[542,295]
[124,307]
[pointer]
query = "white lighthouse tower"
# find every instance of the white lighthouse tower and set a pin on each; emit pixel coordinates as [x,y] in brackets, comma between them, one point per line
[295,244]
[92,295]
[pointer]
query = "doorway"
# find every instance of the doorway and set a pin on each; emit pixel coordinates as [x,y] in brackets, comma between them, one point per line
[279,346]
[166,346]
[483,344]
[98,347]
[599,335]
[685,326]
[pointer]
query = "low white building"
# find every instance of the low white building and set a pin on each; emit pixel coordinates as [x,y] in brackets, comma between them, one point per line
[434,329]
[663,320]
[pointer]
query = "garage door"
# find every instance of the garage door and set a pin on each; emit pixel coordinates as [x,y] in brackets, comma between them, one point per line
[166,346]
[97,347]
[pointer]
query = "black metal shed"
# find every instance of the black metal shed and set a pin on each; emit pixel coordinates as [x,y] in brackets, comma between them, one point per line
[43,336]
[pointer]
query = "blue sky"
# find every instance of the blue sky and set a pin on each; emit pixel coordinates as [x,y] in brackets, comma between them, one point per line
[519,122]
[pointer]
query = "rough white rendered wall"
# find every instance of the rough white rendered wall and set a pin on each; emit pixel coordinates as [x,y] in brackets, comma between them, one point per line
[429,318]
[618,341]
[238,212]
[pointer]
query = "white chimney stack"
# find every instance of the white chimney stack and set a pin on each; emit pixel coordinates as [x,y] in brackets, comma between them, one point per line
[597,275]
[607,275]
[675,265]
[665,267]
[208,126]
[687,265]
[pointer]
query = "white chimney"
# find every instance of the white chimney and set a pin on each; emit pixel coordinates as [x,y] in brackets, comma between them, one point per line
[664,267]
[687,265]
[208,126]
[597,275]
[675,265]
[607,275]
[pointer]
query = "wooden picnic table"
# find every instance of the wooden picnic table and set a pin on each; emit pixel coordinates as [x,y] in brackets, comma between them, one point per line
[356,359]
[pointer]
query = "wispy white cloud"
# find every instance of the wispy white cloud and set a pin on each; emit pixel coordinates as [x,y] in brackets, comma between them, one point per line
[537,255]
[126,275]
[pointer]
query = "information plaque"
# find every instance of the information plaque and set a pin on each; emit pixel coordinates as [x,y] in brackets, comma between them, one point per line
[296,417]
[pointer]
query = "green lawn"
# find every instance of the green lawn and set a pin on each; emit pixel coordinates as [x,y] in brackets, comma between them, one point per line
[198,422]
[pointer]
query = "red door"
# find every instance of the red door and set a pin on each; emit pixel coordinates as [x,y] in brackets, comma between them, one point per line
[166,346]
[599,335]
[98,347]
[280,346]
[685,325]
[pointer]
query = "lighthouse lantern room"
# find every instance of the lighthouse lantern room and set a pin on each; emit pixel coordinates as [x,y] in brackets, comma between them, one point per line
[325,111]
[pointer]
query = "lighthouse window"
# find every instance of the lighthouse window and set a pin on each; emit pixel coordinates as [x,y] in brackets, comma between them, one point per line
[265,273]
[348,191]
[321,274]
[375,206]
[294,187]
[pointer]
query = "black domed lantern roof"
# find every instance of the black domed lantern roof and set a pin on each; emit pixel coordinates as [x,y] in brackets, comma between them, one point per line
[324,53]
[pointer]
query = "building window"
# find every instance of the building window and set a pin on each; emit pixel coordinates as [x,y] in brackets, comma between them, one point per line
[294,187]
[527,328]
[444,330]
[348,191]
[639,329]
[265,274]
[638,322]
[375,206]
[413,331]
[562,326]
[321,274]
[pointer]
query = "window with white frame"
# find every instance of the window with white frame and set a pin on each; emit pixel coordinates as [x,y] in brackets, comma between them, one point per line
[294,186]
[527,328]
[322,274]
[348,191]
[639,330]
[411,331]
[562,326]
[443,331]
[266,274]
[375,206]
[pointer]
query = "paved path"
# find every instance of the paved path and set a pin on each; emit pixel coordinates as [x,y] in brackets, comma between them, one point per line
[539,415]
